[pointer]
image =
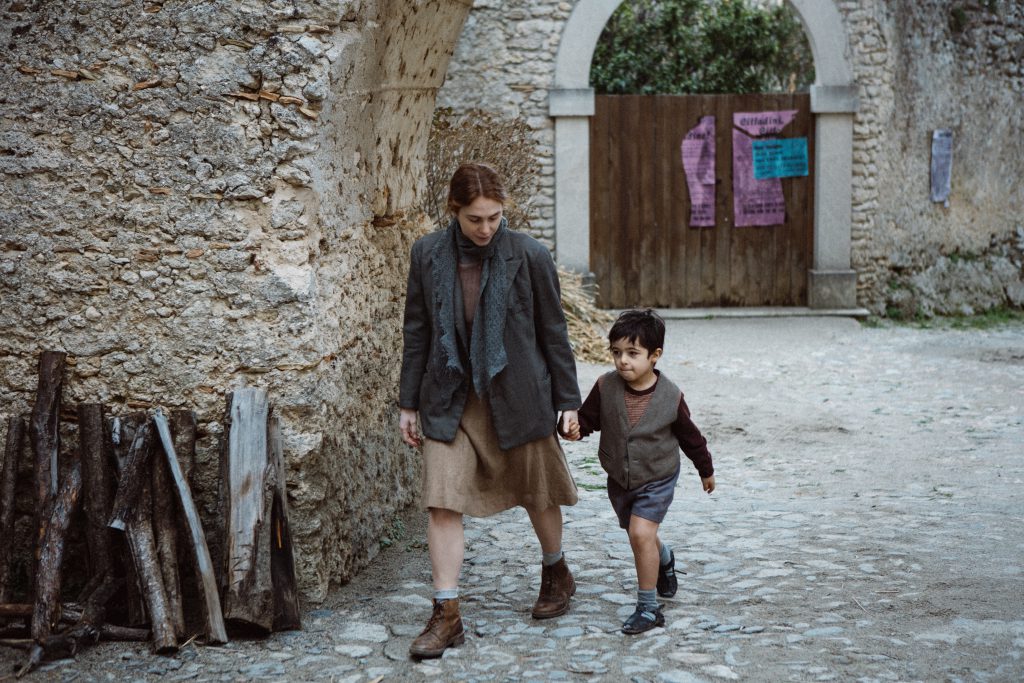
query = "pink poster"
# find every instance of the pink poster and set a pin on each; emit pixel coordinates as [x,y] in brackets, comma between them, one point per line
[756,202]
[698,151]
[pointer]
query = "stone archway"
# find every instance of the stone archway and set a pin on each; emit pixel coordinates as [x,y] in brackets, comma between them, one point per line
[832,283]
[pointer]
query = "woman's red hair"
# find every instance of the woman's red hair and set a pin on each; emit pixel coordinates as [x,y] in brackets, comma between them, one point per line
[472,180]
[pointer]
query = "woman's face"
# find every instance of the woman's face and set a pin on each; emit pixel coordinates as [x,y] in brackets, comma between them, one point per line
[479,220]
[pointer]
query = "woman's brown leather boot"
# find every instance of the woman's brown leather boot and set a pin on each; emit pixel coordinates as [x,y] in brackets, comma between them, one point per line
[444,629]
[556,587]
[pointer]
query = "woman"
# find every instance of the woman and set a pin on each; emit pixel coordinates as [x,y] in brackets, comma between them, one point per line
[486,366]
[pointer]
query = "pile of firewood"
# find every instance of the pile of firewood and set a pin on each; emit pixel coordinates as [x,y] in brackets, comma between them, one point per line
[149,571]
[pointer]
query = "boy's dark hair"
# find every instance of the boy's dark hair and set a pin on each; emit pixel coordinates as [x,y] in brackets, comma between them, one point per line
[639,325]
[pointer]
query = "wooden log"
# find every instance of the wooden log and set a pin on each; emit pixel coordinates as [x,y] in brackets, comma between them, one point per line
[97,502]
[166,532]
[16,631]
[133,508]
[44,426]
[19,643]
[68,612]
[13,446]
[16,609]
[86,630]
[44,430]
[184,431]
[122,436]
[135,474]
[215,632]
[287,615]
[46,612]
[123,633]
[248,481]
[147,563]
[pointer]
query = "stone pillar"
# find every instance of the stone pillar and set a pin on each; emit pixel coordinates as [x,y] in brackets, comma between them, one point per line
[832,283]
[572,110]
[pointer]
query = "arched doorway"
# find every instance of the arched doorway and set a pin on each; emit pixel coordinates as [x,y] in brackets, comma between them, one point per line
[832,284]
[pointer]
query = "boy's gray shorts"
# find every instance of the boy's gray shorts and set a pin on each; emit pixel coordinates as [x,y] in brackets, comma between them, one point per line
[649,501]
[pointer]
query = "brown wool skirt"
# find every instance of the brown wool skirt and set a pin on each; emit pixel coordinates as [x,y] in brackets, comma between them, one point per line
[472,475]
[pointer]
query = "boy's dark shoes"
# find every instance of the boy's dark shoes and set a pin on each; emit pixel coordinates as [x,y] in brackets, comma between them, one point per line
[556,587]
[667,583]
[444,629]
[643,620]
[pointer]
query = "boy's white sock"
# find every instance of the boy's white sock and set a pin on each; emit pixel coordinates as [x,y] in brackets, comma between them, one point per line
[666,554]
[647,601]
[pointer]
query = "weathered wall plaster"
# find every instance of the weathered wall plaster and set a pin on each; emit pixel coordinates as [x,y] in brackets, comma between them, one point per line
[179,240]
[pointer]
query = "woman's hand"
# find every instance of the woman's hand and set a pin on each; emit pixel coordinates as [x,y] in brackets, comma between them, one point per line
[409,428]
[571,425]
[708,483]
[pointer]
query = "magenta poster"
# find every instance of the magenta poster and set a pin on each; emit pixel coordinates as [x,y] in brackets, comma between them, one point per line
[756,202]
[698,150]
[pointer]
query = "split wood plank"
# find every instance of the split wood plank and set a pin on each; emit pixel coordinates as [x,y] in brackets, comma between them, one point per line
[214,619]
[248,481]
[282,569]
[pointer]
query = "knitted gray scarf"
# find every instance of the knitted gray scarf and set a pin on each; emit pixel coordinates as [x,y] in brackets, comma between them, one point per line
[487,347]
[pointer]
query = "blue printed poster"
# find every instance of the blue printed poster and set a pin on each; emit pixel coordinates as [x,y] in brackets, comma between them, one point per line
[780,158]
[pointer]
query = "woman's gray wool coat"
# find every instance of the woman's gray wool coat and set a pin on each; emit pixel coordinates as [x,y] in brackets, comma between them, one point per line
[540,377]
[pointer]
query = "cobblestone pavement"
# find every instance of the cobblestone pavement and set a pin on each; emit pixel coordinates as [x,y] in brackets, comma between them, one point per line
[868,526]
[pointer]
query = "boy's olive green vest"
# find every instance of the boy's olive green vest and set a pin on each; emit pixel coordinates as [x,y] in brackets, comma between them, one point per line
[649,450]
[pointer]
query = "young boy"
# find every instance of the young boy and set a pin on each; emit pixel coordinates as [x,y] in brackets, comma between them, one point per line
[643,421]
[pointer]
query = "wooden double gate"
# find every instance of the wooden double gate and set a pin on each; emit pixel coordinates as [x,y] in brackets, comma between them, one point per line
[643,251]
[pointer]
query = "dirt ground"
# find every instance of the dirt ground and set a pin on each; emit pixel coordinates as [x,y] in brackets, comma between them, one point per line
[868,526]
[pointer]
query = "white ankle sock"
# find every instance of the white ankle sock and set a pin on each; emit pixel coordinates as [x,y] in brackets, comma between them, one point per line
[446,594]
[548,559]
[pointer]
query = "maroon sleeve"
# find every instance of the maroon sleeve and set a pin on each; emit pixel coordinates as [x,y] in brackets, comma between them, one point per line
[692,441]
[590,413]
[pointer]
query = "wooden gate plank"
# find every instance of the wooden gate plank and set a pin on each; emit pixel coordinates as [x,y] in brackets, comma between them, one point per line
[643,251]
[645,193]
[599,174]
[669,192]
[700,258]
[630,229]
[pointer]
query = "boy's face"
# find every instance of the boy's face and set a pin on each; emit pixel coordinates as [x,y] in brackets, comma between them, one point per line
[633,362]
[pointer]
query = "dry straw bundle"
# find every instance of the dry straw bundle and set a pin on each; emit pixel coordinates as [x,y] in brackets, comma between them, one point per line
[587,323]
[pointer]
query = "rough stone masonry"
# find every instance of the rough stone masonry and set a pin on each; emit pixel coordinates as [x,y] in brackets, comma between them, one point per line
[199,196]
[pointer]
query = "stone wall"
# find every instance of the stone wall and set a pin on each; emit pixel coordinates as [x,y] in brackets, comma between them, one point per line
[922,66]
[918,66]
[201,196]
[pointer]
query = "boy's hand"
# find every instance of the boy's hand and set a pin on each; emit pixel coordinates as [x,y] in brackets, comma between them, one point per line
[574,432]
[708,483]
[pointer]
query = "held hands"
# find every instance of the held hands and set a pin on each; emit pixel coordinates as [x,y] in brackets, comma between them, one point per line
[407,425]
[708,483]
[570,425]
